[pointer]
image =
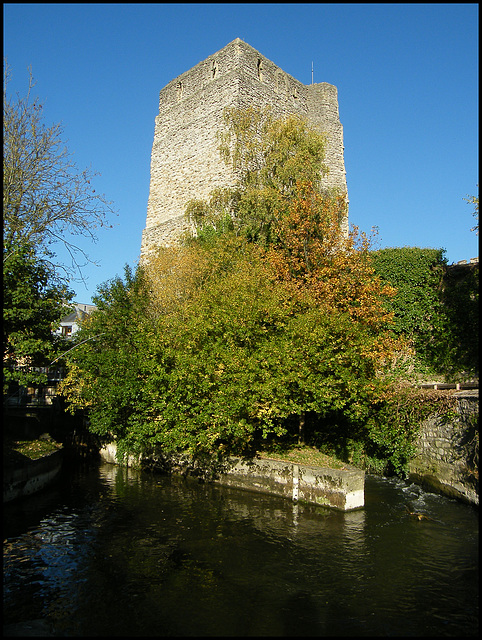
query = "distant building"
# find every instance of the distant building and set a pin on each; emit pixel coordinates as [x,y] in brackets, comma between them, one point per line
[71,323]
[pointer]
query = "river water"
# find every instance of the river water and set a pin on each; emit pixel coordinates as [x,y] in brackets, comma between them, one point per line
[110,551]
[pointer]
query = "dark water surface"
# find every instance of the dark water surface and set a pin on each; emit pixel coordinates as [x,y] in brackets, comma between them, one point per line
[115,552]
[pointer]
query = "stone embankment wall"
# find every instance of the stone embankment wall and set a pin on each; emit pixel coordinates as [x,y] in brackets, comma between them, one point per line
[31,476]
[447,451]
[342,489]
[185,158]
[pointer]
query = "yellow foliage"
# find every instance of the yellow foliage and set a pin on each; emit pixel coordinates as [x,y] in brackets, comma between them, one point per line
[173,274]
[73,386]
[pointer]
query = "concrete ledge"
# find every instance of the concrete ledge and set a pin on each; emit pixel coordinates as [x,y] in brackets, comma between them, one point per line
[31,476]
[447,479]
[108,453]
[342,489]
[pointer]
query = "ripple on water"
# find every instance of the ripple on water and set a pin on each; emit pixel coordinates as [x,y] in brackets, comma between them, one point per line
[139,554]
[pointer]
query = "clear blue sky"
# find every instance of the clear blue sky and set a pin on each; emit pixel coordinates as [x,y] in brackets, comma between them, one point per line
[407,78]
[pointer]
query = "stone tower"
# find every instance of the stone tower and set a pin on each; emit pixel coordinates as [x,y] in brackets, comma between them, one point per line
[185,161]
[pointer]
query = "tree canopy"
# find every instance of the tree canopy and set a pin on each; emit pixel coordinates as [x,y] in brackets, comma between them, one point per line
[269,312]
[33,303]
[436,308]
[47,201]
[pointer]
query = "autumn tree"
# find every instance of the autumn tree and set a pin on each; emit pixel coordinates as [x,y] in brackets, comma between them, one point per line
[172,275]
[268,313]
[250,357]
[47,202]
[280,203]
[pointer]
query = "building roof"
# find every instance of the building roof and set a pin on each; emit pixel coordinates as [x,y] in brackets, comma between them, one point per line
[77,315]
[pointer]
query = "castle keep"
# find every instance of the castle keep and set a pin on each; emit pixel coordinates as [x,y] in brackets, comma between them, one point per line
[185,160]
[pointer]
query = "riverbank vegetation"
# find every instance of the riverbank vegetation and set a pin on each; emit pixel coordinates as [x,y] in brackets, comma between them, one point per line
[436,308]
[271,325]
[269,328]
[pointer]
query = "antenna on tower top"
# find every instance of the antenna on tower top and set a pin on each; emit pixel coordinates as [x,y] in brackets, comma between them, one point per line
[311,72]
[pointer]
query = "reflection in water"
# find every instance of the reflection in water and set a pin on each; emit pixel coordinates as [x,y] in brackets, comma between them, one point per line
[112,551]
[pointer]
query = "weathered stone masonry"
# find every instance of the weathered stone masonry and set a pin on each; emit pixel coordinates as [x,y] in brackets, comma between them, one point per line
[446,459]
[336,488]
[185,160]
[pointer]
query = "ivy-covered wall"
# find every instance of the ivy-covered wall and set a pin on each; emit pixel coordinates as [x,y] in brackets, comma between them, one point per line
[447,450]
[436,307]
[460,298]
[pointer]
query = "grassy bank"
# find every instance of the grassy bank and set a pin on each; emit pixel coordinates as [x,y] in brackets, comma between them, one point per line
[309,456]
[13,449]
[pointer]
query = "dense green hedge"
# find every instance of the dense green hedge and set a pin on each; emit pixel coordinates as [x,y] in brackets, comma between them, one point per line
[436,307]
[460,296]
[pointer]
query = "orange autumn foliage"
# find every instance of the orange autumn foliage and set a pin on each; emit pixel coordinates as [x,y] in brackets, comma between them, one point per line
[315,258]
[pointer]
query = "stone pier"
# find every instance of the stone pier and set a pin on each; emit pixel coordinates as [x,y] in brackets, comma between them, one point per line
[342,489]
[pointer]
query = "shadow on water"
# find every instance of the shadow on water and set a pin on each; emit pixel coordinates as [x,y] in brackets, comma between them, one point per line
[301,617]
[115,552]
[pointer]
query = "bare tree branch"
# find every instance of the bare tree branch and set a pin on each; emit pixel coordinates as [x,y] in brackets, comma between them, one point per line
[47,200]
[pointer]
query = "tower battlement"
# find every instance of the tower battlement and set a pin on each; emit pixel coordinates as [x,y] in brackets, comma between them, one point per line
[185,159]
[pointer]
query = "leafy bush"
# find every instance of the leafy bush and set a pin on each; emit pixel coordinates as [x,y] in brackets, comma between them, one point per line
[271,318]
[435,307]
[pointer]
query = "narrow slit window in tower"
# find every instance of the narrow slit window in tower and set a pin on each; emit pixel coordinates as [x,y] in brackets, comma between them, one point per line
[179,91]
[260,70]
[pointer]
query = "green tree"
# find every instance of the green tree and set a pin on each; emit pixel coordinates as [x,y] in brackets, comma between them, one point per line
[34,301]
[47,202]
[108,367]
